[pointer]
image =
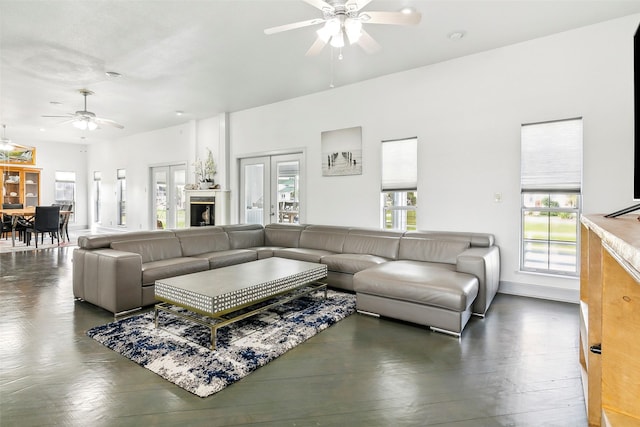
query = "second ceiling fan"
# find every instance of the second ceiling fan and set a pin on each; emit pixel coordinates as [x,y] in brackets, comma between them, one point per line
[344,19]
[87,120]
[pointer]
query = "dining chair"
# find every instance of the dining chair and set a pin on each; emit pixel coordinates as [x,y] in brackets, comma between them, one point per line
[47,220]
[7,220]
[64,220]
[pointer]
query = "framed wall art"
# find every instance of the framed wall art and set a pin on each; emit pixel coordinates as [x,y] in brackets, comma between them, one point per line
[342,152]
[17,154]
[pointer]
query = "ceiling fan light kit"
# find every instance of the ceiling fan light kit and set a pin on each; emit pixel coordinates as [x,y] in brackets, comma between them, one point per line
[84,123]
[342,17]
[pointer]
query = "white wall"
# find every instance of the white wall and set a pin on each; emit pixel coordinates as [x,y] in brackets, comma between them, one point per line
[467,115]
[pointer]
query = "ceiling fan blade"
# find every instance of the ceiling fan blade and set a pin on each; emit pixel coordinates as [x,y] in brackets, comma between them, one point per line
[392,18]
[367,43]
[319,4]
[316,47]
[293,26]
[69,120]
[356,5]
[68,115]
[113,123]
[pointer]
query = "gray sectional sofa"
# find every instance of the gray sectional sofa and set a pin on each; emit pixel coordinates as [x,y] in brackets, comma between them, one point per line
[438,279]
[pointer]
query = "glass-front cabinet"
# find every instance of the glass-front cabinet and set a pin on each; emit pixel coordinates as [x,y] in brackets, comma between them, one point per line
[20,186]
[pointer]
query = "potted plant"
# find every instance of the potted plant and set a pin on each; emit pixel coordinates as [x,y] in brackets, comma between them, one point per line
[205,171]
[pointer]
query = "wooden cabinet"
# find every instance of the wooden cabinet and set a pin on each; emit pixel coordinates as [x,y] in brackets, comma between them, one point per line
[21,185]
[610,319]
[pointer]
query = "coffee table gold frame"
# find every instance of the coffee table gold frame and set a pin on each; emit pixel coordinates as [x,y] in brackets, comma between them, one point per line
[216,321]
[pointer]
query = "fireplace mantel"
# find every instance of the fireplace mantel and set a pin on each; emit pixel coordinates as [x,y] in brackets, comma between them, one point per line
[216,201]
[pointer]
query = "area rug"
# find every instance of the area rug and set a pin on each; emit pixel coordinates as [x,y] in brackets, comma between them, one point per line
[5,245]
[179,350]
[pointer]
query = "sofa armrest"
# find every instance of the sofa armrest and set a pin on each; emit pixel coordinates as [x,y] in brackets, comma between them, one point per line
[109,278]
[484,263]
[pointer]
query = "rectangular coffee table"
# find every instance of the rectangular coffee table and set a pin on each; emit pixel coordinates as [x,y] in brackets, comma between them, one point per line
[220,294]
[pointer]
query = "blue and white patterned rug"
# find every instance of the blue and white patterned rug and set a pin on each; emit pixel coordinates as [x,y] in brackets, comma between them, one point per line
[179,350]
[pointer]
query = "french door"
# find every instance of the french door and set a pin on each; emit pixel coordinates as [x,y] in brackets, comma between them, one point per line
[167,196]
[271,190]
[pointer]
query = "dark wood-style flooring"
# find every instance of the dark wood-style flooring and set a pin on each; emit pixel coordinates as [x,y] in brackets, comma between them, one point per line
[517,367]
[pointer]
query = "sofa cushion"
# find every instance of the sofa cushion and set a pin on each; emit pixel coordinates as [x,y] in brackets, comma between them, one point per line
[302,254]
[203,240]
[230,257]
[351,263]
[475,240]
[420,283]
[151,249]
[382,243]
[155,270]
[242,239]
[422,249]
[326,238]
[282,235]
[265,251]
[105,240]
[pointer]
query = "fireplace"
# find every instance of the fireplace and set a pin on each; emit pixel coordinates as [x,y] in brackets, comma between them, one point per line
[207,207]
[202,211]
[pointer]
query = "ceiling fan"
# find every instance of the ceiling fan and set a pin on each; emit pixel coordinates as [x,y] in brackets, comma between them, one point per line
[344,17]
[86,120]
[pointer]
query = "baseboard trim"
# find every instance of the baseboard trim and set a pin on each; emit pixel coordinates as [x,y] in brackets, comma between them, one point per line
[540,291]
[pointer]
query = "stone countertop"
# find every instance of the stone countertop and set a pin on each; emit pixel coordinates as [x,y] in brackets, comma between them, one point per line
[621,234]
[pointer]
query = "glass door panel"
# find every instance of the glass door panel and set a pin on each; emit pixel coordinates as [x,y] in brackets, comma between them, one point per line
[160,197]
[286,183]
[179,174]
[31,191]
[253,195]
[168,204]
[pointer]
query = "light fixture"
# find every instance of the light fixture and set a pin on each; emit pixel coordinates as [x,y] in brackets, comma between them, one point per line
[456,35]
[338,40]
[179,112]
[334,30]
[85,123]
[353,28]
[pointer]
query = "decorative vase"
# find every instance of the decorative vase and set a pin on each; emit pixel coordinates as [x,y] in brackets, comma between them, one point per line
[204,185]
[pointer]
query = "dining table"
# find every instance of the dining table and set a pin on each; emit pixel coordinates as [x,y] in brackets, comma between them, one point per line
[29,214]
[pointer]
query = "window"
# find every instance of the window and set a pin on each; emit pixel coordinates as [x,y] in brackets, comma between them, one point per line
[399,183]
[97,180]
[551,181]
[65,190]
[121,189]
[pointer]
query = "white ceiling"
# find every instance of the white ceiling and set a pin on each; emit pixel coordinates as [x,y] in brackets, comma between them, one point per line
[211,56]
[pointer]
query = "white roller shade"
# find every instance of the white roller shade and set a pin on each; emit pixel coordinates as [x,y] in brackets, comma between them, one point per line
[400,165]
[551,157]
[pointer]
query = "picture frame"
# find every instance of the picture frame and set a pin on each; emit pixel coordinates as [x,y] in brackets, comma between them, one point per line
[341,151]
[14,154]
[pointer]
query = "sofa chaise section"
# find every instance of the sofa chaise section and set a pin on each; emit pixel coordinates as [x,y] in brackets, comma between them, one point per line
[417,292]
[439,280]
